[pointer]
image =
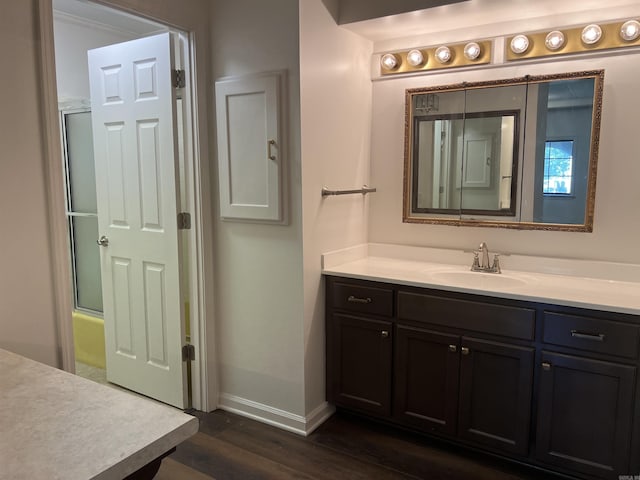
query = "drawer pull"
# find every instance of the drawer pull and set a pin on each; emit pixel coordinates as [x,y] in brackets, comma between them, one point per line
[465,350]
[384,334]
[453,348]
[546,366]
[353,299]
[596,337]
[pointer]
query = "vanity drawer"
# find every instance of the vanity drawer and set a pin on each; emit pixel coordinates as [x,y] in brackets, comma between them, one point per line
[502,320]
[362,299]
[591,334]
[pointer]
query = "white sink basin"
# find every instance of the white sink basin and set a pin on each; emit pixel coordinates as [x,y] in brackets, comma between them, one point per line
[476,279]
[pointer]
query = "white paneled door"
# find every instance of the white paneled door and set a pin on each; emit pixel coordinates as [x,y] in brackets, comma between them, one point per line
[132,100]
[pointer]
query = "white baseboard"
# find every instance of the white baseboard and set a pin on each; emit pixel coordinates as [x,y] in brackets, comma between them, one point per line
[274,416]
[318,416]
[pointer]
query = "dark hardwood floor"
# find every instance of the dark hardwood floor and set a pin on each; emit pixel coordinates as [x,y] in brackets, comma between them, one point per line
[345,447]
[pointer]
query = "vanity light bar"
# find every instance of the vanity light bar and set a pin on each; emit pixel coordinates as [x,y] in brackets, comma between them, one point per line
[441,56]
[573,40]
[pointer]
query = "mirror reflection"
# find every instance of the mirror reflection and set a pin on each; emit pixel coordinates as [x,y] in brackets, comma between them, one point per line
[518,153]
[466,163]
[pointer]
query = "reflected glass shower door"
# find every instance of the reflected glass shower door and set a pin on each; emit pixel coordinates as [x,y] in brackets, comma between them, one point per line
[82,209]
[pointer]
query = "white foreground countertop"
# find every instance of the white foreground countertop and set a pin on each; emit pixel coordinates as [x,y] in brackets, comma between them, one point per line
[55,425]
[586,284]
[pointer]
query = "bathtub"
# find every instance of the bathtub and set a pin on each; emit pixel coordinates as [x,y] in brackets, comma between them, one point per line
[88,339]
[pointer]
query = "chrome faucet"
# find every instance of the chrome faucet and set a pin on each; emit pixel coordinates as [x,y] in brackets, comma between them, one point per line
[481,261]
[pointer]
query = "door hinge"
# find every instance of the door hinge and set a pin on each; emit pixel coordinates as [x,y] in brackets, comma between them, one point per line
[188,352]
[178,78]
[184,221]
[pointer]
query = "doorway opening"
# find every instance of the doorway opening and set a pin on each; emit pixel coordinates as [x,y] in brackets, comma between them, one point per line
[80,26]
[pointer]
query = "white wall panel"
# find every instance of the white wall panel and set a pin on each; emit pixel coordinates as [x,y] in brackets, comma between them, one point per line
[259,266]
[335,91]
[27,322]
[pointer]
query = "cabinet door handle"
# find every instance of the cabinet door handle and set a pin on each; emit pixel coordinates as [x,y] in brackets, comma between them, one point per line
[465,350]
[596,337]
[270,154]
[453,348]
[353,299]
[384,334]
[546,366]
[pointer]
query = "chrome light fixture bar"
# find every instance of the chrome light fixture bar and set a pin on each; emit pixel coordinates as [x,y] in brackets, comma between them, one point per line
[573,40]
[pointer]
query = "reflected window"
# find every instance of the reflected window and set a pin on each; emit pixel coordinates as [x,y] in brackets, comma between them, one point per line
[558,167]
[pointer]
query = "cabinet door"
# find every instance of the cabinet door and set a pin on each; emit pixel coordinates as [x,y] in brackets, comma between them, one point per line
[251,147]
[495,394]
[360,363]
[426,379]
[585,413]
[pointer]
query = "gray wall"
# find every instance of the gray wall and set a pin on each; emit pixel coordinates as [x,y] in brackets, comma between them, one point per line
[27,322]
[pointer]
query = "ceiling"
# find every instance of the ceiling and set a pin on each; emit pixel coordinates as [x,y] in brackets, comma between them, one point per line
[358,10]
[99,14]
[484,16]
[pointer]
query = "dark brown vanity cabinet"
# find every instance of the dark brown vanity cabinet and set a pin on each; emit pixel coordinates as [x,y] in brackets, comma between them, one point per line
[476,389]
[359,348]
[495,395]
[360,363]
[456,383]
[555,387]
[427,365]
[585,405]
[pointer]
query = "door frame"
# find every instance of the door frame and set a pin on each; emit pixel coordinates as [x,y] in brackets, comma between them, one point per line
[204,388]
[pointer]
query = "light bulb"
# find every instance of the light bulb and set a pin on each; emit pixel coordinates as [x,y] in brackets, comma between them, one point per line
[443,54]
[554,40]
[415,58]
[472,50]
[591,34]
[519,44]
[630,30]
[389,61]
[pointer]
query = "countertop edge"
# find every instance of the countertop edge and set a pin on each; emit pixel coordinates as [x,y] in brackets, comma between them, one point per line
[342,271]
[151,452]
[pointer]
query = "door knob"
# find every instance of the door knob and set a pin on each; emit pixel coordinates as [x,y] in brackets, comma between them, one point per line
[103,241]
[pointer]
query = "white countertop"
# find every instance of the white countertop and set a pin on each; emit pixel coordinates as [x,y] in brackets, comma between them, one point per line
[55,425]
[579,284]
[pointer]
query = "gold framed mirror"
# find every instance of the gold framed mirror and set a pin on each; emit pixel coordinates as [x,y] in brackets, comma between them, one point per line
[514,153]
